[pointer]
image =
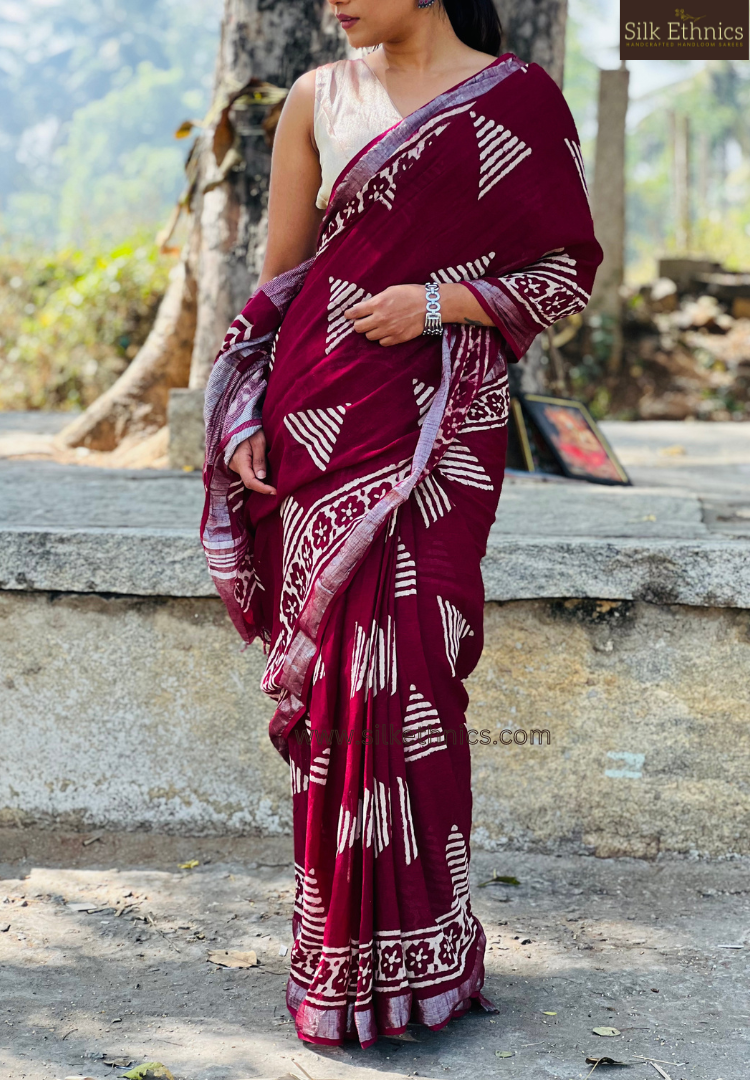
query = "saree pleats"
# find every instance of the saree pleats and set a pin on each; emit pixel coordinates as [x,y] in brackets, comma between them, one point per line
[381,780]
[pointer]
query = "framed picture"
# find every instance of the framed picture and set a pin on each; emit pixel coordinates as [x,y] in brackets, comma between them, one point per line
[559,435]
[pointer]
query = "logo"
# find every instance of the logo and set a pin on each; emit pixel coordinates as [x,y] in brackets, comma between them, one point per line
[708,30]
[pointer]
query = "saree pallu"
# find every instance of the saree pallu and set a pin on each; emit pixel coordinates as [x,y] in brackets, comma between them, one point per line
[362,575]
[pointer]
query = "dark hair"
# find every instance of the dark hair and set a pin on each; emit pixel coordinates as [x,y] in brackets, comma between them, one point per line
[476,23]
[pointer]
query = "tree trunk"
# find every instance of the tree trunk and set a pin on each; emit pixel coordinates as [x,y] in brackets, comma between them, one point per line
[138,400]
[273,41]
[681,172]
[276,43]
[535,31]
[608,203]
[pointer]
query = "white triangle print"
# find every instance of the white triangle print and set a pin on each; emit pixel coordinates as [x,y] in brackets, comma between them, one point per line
[344,294]
[424,395]
[459,464]
[469,271]
[422,731]
[406,573]
[455,629]
[500,151]
[317,430]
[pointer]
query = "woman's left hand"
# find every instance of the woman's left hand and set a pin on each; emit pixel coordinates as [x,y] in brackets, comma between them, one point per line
[393,316]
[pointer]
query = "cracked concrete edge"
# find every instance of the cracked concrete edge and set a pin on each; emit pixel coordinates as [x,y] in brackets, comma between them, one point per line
[170,562]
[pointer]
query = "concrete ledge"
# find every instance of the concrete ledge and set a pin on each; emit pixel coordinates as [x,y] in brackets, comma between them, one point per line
[170,562]
[704,573]
[128,562]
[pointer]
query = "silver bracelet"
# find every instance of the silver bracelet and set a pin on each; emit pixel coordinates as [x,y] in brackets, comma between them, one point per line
[433,323]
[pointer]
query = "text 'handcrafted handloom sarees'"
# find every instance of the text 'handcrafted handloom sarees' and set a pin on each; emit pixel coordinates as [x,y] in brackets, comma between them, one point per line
[363,574]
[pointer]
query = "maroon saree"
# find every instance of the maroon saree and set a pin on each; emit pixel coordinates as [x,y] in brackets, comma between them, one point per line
[362,575]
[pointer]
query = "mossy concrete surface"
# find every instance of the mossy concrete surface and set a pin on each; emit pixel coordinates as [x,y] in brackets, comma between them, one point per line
[143,713]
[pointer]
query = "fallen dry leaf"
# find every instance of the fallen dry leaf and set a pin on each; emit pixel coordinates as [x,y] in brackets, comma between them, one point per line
[150,1070]
[606,1061]
[503,1053]
[609,1032]
[190,865]
[233,959]
[499,879]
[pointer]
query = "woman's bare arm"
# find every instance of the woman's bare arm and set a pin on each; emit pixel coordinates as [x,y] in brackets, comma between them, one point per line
[293,222]
[293,218]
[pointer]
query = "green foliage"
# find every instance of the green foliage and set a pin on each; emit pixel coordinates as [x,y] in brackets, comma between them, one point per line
[90,94]
[71,320]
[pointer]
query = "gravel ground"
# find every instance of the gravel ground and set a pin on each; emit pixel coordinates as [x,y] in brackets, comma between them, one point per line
[657,950]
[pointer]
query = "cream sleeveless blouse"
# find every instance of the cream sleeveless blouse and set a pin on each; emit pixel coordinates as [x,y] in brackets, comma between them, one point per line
[352,107]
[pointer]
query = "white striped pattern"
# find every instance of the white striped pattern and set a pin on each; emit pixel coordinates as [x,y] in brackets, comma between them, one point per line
[374,659]
[313,912]
[367,818]
[406,573]
[317,430]
[500,151]
[410,840]
[577,156]
[344,294]
[458,865]
[455,629]
[300,781]
[349,829]
[319,767]
[272,355]
[432,500]
[424,395]
[359,659]
[235,334]
[319,671]
[459,464]
[235,496]
[469,271]
[383,829]
[422,731]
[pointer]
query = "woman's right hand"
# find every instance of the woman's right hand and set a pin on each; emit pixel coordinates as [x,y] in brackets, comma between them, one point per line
[249,461]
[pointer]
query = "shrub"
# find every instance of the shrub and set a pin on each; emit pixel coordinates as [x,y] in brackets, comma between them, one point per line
[71,321]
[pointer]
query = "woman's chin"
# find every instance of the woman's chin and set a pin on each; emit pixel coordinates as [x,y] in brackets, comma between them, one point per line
[360,39]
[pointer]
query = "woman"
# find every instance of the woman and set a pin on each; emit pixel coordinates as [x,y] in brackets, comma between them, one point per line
[353,547]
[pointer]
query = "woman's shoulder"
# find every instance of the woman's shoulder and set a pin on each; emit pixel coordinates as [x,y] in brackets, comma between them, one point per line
[326,73]
[311,90]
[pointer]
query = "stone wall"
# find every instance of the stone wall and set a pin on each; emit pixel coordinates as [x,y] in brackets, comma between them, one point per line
[141,712]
